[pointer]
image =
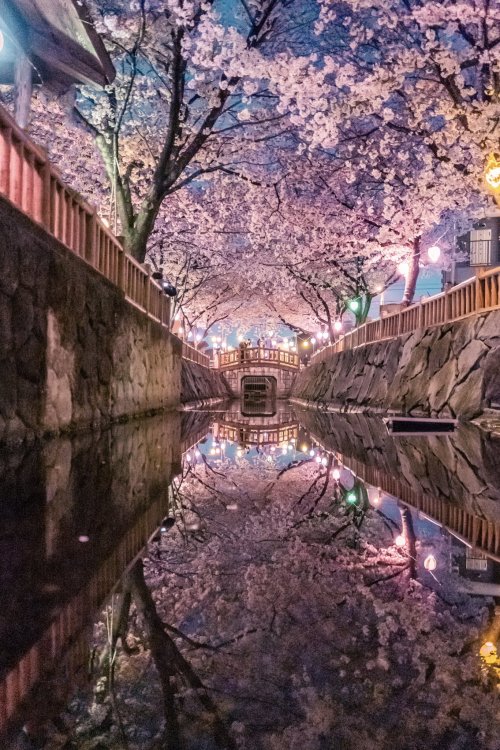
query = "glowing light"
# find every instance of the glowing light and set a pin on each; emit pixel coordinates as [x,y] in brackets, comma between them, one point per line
[190,335]
[353,305]
[488,651]
[198,339]
[2,41]
[325,335]
[214,338]
[337,326]
[313,340]
[404,268]
[319,459]
[324,461]
[400,540]
[305,344]
[336,474]
[434,253]
[430,562]
[188,457]
[352,498]
[304,448]
[312,453]
[492,172]
[83,538]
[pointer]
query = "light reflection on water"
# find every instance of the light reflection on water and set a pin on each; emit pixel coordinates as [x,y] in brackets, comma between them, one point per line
[76,513]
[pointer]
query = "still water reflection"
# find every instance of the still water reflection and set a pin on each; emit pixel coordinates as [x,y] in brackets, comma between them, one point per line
[244,488]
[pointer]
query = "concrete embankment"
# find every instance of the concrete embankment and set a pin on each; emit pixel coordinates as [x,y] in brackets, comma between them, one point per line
[447,371]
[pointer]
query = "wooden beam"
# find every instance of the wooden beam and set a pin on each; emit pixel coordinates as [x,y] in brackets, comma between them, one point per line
[22,89]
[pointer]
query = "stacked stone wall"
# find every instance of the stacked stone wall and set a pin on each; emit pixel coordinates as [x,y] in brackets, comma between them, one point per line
[447,371]
[73,352]
[199,384]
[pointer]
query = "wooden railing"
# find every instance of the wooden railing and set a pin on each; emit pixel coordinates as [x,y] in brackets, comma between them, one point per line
[476,295]
[17,683]
[258,355]
[34,186]
[193,355]
[482,534]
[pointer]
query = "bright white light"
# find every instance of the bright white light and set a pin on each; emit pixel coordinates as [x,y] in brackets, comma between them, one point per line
[313,340]
[190,335]
[404,268]
[198,339]
[83,538]
[2,41]
[324,461]
[188,457]
[336,474]
[337,326]
[400,540]
[214,338]
[430,562]
[434,253]
[312,453]
[319,459]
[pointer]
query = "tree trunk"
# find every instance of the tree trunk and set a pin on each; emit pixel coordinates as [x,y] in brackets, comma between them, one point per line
[412,276]
[135,239]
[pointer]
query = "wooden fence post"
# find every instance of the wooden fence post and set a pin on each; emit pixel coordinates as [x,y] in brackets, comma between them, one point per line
[479,294]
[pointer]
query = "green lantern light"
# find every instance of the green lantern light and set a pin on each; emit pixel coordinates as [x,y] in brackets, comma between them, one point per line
[352,498]
[353,305]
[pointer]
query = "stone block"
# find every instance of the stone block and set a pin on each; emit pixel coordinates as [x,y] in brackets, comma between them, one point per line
[8,388]
[30,360]
[23,316]
[491,378]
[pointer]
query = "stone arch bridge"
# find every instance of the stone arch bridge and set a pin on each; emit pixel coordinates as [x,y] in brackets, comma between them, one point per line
[257,373]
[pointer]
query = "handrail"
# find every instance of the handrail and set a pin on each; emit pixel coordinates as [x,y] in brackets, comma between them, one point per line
[258,355]
[479,294]
[193,355]
[36,188]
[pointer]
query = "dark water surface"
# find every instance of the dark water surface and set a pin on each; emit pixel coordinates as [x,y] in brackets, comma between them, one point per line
[77,512]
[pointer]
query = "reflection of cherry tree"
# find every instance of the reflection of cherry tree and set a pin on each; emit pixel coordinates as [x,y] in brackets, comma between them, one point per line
[290,618]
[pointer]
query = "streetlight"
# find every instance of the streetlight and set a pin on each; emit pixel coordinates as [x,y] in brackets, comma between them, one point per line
[404,268]
[337,326]
[434,253]
[492,175]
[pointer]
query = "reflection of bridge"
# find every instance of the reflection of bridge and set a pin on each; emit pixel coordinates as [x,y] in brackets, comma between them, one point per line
[268,371]
[278,427]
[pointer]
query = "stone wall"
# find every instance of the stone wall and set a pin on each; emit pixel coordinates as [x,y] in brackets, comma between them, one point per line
[199,384]
[448,371]
[73,352]
[461,468]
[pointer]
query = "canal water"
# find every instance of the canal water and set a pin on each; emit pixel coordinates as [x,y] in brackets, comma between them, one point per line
[257,576]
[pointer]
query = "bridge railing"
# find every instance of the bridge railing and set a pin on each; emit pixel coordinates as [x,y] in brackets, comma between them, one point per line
[479,294]
[36,188]
[258,355]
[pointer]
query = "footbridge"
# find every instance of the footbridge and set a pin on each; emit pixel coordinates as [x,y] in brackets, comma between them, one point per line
[257,372]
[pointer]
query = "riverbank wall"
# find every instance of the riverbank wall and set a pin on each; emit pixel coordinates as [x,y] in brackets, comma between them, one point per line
[201,386]
[447,371]
[74,353]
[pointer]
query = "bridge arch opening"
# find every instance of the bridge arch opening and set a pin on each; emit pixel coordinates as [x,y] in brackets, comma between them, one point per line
[256,389]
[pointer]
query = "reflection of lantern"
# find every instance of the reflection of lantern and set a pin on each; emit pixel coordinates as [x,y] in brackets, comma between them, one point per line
[400,541]
[430,562]
[492,173]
